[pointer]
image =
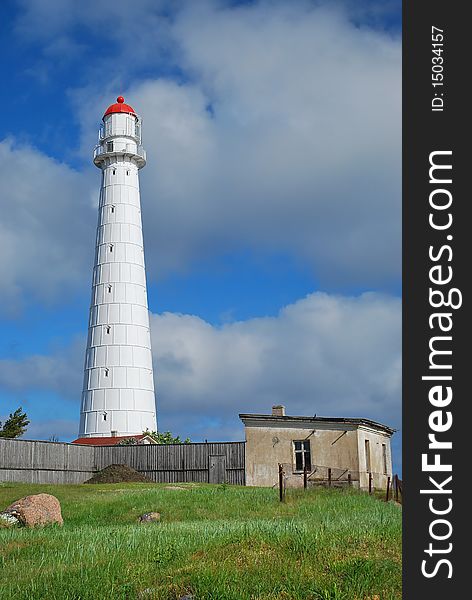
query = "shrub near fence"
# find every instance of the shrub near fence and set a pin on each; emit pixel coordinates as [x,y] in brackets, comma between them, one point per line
[56,462]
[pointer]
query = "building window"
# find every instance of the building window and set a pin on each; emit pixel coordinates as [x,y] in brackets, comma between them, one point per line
[367,455]
[109,288]
[109,146]
[302,455]
[127,172]
[384,458]
[104,416]
[110,246]
[108,328]
[112,208]
[114,171]
[107,371]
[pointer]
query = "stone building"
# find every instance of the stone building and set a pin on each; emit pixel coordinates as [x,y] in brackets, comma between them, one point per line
[340,450]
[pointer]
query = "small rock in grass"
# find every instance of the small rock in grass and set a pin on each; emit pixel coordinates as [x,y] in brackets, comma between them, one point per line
[7,520]
[150,517]
[146,593]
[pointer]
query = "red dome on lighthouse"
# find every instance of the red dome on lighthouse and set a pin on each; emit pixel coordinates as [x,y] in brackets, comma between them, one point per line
[120,107]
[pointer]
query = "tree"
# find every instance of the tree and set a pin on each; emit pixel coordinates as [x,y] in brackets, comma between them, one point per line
[131,441]
[15,426]
[159,438]
[166,437]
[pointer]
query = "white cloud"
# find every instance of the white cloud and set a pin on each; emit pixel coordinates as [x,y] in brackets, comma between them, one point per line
[46,230]
[128,39]
[60,372]
[287,138]
[329,355]
[284,137]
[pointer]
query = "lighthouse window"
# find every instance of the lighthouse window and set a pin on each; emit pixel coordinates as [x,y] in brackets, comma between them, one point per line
[127,172]
[109,289]
[109,146]
[111,247]
[112,208]
[104,416]
[108,328]
[114,171]
[107,371]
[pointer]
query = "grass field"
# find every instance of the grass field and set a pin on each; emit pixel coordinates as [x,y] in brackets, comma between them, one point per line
[214,542]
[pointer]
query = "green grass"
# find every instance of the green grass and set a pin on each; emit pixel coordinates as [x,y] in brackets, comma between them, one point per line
[215,542]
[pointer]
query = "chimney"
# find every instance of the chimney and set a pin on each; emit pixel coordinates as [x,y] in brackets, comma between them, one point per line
[114,433]
[278,410]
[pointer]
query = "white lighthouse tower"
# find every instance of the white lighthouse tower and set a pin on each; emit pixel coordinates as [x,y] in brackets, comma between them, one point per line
[118,393]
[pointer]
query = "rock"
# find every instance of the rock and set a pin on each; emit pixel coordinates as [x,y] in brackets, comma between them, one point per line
[150,517]
[147,593]
[7,520]
[38,509]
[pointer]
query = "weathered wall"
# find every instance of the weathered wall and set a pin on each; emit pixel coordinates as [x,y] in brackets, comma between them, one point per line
[377,467]
[266,447]
[54,462]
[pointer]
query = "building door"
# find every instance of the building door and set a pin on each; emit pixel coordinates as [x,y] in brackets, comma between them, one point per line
[217,468]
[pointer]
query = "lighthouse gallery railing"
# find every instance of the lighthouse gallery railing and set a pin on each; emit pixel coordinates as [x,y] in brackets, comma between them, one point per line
[127,148]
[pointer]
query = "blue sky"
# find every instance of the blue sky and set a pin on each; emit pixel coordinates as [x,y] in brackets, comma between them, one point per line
[271,204]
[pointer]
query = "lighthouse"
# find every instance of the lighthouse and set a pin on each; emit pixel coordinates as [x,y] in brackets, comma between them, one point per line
[118,391]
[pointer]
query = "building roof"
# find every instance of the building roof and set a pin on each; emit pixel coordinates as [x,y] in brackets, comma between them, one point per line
[274,419]
[109,440]
[119,107]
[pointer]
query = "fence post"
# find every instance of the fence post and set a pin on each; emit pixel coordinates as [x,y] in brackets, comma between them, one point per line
[388,489]
[395,479]
[329,477]
[370,483]
[349,480]
[305,477]
[281,483]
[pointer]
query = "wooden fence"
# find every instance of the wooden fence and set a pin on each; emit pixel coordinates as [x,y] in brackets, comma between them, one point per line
[56,462]
[204,463]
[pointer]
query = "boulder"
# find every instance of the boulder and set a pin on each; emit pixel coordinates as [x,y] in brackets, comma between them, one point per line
[38,509]
[150,517]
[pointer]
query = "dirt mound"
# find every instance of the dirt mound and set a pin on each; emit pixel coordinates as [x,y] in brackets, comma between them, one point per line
[118,474]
